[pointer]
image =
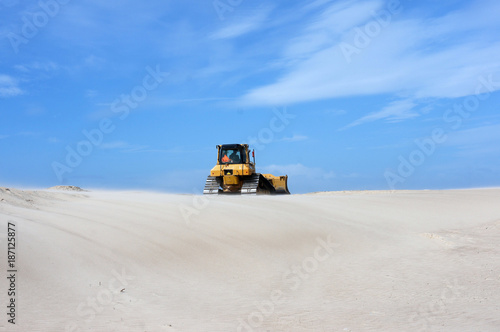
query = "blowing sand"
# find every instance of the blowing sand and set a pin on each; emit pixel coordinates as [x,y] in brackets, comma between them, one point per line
[333,261]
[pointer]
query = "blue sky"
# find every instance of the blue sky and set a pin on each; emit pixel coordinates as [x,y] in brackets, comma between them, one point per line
[339,95]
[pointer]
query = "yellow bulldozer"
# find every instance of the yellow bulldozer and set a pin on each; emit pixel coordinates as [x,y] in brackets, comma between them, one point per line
[235,174]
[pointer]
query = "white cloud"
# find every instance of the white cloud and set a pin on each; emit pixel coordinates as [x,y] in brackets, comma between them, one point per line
[132,148]
[336,112]
[48,66]
[93,61]
[242,26]
[486,135]
[28,133]
[22,68]
[416,58]
[326,29]
[120,145]
[315,4]
[294,138]
[9,87]
[394,112]
[92,93]
[295,170]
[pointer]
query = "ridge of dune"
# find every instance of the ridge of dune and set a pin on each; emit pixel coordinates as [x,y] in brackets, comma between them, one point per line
[337,261]
[67,188]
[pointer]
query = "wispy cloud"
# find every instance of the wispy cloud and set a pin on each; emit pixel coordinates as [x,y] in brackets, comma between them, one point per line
[9,87]
[90,93]
[485,135]
[294,138]
[326,29]
[394,112]
[48,66]
[242,26]
[418,58]
[93,61]
[336,112]
[299,170]
[124,146]
[481,141]
[29,133]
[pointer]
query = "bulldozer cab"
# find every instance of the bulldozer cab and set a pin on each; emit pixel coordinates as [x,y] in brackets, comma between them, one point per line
[232,154]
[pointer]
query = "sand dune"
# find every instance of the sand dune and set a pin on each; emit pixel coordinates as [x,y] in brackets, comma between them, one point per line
[333,261]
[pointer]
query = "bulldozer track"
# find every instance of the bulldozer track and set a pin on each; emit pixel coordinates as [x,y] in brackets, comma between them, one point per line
[211,186]
[252,185]
[257,184]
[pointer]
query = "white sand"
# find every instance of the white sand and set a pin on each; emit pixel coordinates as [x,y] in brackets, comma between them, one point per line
[138,261]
